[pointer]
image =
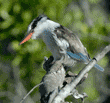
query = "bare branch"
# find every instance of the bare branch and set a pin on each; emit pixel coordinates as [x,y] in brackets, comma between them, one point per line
[30,92]
[53,80]
[70,87]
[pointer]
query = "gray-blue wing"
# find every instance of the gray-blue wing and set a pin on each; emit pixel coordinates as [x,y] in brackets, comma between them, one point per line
[78,56]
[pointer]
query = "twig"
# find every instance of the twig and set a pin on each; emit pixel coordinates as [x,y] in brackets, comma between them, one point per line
[30,91]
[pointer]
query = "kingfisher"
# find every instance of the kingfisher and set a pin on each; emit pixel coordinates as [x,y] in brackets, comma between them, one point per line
[59,39]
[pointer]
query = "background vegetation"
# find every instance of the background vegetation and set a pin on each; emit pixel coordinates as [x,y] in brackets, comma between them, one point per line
[21,66]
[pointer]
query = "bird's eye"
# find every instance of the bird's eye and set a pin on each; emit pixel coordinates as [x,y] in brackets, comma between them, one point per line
[32,30]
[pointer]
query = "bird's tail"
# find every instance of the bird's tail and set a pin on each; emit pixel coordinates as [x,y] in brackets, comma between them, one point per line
[99,67]
[96,65]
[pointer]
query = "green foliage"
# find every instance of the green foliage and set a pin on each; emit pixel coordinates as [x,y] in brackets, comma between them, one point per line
[15,16]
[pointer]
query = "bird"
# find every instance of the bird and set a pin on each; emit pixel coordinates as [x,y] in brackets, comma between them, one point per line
[60,40]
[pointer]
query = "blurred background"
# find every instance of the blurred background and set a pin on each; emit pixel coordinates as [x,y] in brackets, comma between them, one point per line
[21,65]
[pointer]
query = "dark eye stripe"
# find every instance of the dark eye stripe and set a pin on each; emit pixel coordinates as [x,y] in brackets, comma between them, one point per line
[37,20]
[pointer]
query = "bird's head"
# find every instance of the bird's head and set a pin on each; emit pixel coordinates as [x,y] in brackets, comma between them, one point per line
[38,26]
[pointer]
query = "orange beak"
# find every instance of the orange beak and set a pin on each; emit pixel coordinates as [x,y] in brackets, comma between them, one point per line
[26,38]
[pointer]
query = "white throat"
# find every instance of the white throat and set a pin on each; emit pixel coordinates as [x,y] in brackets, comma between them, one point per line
[43,27]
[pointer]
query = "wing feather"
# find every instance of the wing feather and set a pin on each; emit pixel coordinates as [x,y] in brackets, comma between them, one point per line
[75,45]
